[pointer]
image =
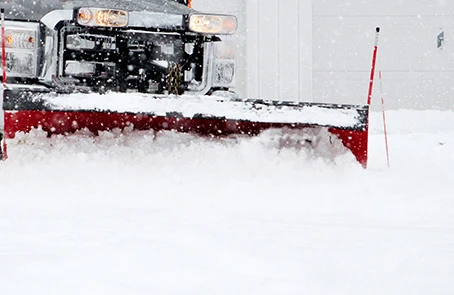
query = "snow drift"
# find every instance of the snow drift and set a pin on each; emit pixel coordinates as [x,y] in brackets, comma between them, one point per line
[167,213]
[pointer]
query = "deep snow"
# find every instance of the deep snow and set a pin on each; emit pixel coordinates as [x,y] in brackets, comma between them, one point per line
[143,213]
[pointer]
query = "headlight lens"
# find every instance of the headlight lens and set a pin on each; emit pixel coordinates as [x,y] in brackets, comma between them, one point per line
[21,49]
[224,73]
[99,17]
[213,24]
[84,16]
[20,39]
[20,64]
[224,64]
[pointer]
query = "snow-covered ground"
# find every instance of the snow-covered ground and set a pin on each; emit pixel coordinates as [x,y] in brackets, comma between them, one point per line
[143,213]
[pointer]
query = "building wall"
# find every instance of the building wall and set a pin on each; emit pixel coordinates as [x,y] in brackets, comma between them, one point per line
[416,74]
[321,50]
[278,49]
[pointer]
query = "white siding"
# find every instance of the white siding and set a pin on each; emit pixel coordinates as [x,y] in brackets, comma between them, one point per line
[321,50]
[279,60]
[415,73]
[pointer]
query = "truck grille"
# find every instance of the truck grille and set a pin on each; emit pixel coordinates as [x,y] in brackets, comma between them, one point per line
[124,60]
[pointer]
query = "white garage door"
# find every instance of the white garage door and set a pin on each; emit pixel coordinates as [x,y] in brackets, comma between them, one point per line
[279,51]
[416,73]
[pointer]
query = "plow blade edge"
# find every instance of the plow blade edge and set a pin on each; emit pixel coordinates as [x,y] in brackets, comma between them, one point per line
[25,109]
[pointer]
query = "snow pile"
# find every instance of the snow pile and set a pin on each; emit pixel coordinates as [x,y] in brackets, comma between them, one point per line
[308,145]
[167,213]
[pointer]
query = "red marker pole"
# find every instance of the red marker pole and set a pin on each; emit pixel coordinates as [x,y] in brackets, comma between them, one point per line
[3,48]
[372,71]
[384,118]
[3,149]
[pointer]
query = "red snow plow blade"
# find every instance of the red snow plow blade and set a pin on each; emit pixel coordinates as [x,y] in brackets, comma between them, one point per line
[25,110]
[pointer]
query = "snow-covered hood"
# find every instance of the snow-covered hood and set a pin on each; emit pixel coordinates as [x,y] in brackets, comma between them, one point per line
[34,10]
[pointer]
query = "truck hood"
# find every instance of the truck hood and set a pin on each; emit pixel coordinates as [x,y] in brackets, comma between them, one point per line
[35,10]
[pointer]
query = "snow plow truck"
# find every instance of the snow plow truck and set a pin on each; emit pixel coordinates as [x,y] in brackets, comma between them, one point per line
[151,64]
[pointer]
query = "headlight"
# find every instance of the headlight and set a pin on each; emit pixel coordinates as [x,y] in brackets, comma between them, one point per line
[20,64]
[20,39]
[213,24]
[224,64]
[224,73]
[100,17]
[21,49]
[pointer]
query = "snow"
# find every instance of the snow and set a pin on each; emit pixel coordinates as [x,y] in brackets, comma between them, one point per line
[213,106]
[167,213]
